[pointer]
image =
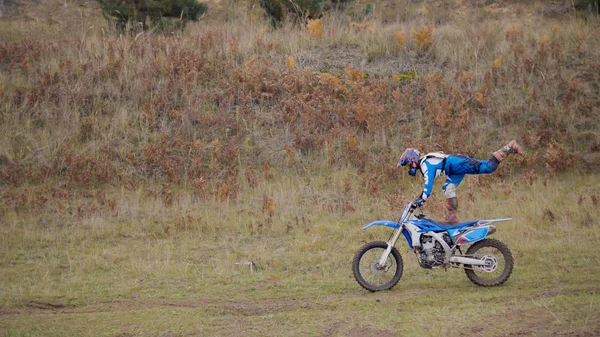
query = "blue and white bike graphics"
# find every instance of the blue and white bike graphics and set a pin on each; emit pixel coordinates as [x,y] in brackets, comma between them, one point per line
[488,262]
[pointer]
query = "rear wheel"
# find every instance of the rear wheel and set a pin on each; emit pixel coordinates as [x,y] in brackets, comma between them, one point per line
[498,263]
[370,274]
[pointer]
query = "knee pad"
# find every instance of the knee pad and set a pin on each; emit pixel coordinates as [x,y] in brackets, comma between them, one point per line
[450,191]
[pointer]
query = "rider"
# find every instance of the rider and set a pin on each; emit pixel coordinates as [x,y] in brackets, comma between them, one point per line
[454,168]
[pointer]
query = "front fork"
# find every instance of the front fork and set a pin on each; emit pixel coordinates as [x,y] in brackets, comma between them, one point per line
[390,244]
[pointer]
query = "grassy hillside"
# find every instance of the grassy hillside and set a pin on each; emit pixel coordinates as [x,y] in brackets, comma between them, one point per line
[138,173]
[88,106]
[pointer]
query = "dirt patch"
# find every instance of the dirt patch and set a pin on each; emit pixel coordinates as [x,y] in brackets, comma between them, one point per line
[341,328]
[534,322]
[556,292]
[334,329]
[334,60]
[216,306]
[368,332]
[268,306]
[45,305]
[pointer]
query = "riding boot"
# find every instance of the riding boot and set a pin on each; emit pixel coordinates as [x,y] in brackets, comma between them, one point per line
[452,205]
[511,147]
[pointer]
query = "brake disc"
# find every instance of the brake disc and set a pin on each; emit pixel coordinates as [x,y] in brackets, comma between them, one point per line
[376,267]
[491,263]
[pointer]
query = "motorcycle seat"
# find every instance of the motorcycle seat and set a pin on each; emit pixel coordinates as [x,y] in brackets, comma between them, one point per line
[451,226]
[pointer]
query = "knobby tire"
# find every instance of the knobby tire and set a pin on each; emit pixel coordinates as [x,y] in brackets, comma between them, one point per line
[508,263]
[395,254]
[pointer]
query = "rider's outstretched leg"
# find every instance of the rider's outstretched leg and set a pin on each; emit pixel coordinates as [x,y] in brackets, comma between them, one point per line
[489,166]
[503,152]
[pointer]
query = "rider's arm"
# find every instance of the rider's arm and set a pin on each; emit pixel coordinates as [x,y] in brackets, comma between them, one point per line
[428,171]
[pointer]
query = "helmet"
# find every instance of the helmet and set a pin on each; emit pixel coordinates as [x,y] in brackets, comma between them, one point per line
[410,157]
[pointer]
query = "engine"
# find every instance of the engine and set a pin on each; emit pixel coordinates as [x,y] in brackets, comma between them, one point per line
[431,253]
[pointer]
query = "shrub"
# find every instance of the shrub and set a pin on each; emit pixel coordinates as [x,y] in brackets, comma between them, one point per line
[274,10]
[298,9]
[307,8]
[588,4]
[423,37]
[162,15]
[314,27]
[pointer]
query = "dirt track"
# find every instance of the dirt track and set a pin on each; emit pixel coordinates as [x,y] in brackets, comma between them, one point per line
[239,317]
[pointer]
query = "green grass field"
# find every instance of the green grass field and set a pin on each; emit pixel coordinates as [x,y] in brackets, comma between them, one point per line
[122,274]
[140,174]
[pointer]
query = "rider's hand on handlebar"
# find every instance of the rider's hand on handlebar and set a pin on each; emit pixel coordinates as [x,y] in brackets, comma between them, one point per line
[417,203]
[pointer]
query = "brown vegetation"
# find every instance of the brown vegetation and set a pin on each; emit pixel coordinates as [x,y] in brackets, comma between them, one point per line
[209,109]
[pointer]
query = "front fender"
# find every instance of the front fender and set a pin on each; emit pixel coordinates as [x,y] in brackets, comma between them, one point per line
[387,223]
[391,224]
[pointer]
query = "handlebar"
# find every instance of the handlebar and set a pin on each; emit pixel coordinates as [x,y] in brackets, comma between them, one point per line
[406,213]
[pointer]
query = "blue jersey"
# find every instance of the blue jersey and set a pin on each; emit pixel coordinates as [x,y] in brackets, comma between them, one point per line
[453,168]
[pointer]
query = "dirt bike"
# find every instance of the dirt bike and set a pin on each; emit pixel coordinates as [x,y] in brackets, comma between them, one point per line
[488,262]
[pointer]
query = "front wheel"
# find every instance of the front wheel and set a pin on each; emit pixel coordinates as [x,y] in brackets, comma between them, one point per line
[498,263]
[370,274]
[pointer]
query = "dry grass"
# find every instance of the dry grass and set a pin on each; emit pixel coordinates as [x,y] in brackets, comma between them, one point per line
[134,104]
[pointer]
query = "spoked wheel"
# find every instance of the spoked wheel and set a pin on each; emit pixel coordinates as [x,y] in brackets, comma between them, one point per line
[370,274]
[498,263]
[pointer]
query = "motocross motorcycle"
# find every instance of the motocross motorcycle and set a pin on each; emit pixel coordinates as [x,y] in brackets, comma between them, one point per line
[488,262]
